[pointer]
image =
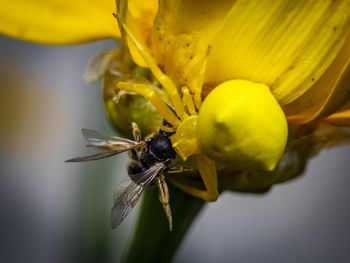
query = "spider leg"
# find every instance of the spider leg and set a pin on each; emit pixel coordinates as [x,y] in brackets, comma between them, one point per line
[163,79]
[199,85]
[154,98]
[188,101]
[207,171]
[167,129]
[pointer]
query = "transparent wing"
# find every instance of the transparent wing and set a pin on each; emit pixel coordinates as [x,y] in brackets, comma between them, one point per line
[128,193]
[97,156]
[114,144]
[100,140]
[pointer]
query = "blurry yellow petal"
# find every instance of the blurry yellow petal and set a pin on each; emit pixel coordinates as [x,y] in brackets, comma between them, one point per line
[328,94]
[139,19]
[286,45]
[58,21]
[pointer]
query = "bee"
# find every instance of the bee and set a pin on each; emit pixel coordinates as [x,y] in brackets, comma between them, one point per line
[149,159]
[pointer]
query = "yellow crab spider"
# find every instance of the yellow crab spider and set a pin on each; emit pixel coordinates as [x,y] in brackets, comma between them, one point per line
[184,122]
[240,124]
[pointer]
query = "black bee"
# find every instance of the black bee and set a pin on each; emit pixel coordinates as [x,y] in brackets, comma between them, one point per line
[149,158]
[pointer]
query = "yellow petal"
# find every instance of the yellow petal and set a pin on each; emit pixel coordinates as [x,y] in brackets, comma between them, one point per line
[286,45]
[283,44]
[58,21]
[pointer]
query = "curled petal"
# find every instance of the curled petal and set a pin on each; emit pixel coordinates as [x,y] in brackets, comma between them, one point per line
[329,93]
[341,118]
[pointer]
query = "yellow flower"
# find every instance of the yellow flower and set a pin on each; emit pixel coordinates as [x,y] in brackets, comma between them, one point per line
[298,51]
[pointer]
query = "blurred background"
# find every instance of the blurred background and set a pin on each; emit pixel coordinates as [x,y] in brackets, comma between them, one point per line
[53,211]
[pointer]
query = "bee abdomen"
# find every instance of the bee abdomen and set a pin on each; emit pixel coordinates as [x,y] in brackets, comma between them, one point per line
[134,169]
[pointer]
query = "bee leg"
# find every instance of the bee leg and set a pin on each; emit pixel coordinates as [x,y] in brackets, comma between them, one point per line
[164,199]
[136,132]
[134,154]
[179,169]
[207,171]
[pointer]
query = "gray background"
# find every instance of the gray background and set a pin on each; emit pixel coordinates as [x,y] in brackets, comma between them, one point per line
[52,211]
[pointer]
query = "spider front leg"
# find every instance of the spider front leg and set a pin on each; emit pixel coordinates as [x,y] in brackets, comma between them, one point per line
[153,97]
[199,85]
[188,101]
[162,78]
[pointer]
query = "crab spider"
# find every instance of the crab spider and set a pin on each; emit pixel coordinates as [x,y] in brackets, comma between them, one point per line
[183,121]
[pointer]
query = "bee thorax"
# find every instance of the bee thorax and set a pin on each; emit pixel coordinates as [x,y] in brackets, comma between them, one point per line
[158,149]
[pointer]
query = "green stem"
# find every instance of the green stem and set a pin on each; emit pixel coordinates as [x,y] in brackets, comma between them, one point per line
[152,241]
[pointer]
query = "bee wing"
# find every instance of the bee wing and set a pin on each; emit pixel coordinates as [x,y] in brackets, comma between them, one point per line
[96,156]
[128,193]
[100,140]
[114,144]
